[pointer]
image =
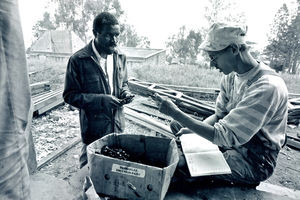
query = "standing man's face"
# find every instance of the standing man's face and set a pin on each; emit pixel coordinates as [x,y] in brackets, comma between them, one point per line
[106,40]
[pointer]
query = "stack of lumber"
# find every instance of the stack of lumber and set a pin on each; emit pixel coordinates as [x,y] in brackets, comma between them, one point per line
[209,94]
[294,111]
[183,97]
[186,103]
[44,102]
[39,87]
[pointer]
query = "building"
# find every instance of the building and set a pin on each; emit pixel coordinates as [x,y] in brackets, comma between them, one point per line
[54,45]
[59,45]
[144,56]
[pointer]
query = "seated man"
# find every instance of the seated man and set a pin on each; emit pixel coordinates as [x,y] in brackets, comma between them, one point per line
[250,118]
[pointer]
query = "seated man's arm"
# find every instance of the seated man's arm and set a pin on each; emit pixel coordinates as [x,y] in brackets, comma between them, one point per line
[211,120]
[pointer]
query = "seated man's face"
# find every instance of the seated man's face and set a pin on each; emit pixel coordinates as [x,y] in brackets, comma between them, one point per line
[106,40]
[222,60]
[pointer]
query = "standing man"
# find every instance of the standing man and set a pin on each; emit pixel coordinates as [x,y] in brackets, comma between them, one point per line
[96,83]
[250,118]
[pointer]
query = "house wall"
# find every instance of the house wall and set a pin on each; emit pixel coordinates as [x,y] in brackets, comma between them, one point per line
[43,57]
[155,60]
[158,59]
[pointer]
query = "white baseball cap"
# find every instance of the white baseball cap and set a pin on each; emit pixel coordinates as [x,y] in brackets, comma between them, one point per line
[221,35]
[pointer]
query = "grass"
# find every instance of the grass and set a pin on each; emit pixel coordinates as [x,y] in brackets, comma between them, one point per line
[188,75]
[195,76]
[292,82]
[51,71]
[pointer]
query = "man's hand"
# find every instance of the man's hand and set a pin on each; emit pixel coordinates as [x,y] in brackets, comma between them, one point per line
[127,98]
[111,101]
[183,131]
[165,105]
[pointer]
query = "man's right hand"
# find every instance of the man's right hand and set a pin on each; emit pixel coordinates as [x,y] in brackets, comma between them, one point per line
[111,101]
[183,131]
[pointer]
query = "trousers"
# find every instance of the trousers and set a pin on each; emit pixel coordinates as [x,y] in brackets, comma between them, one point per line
[250,163]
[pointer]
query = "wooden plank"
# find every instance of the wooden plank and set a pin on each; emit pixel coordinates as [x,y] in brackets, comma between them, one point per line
[205,90]
[36,96]
[50,106]
[143,89]
[293,142]
[39,84]
[57,153]
[149,113]
[152,88]
[49,99]
[192,89]
[189,112]
[148,122]
[38,87]
[39,98]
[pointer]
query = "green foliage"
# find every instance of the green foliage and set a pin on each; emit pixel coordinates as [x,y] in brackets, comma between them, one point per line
[284,41]
[185,47]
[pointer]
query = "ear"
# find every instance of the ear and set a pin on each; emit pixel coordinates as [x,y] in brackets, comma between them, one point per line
[235,49]
[94,32]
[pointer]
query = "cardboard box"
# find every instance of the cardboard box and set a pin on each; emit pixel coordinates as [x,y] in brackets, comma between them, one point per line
[132,180]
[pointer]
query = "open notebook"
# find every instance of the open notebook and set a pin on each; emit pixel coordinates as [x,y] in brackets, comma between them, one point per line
[203,157]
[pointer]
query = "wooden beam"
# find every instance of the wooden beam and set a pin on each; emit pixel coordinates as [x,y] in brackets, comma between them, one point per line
[148,90]
[52,156]
[148,122]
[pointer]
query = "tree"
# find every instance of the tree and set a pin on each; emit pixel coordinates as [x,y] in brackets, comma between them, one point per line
[77,15]
[130,38]
[194,40]
[294,42]
[223,11]
[42,25]
[284,44]
[184,46]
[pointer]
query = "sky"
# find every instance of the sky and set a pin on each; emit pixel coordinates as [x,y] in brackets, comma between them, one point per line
[160,19]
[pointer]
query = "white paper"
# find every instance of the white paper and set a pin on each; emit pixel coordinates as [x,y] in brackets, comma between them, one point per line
[202,156]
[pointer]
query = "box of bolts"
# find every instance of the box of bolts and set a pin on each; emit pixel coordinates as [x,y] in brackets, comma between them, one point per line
[129,166]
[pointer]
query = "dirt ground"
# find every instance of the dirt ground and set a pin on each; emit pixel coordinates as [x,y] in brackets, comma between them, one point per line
[61,125]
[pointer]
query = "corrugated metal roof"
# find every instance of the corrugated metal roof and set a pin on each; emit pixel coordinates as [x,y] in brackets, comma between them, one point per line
[57,41]
[67,42]
[132,52]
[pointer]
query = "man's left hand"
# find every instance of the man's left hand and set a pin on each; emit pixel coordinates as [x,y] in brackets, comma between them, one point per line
[165,105]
